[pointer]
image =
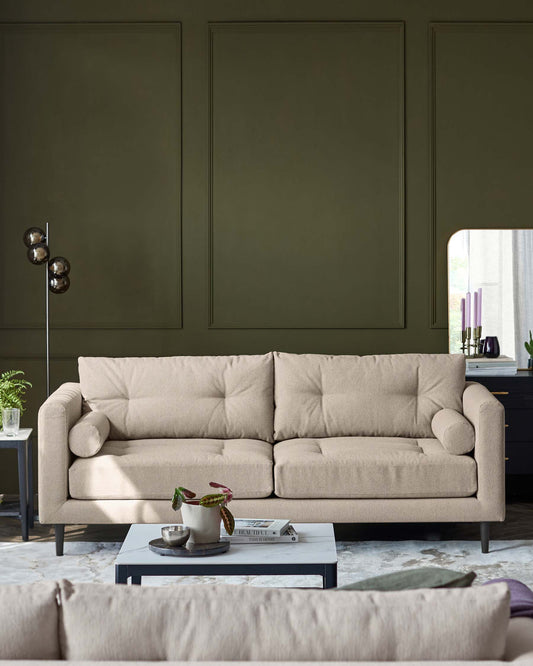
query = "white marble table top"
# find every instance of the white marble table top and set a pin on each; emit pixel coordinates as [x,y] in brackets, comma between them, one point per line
[316,546]
[22,434]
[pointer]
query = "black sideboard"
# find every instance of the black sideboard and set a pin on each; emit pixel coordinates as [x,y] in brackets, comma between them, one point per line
[516,395]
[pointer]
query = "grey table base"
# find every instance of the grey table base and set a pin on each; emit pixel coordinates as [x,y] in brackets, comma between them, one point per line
[22,443]
[137,571]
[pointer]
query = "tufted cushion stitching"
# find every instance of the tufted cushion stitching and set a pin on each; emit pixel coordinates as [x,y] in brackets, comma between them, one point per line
[321,450]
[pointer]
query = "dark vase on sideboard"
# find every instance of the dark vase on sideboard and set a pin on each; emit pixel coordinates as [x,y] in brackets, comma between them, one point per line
[491,346]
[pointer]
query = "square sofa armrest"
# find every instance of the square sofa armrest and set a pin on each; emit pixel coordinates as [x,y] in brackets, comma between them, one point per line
[57,415]
[487,415]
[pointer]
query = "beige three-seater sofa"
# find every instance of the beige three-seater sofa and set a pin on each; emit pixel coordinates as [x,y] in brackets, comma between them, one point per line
[314,438]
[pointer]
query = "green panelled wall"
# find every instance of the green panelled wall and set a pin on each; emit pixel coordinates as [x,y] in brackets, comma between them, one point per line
[237,176]
[307,164]
[91,137]
[482,134]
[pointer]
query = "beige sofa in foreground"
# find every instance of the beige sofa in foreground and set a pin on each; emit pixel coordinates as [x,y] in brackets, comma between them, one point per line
[93,623]
[313,438]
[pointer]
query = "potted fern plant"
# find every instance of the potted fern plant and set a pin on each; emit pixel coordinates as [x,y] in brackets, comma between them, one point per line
[12,390]
[528,344]
[202,516]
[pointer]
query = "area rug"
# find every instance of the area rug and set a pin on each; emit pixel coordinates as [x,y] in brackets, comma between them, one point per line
[94,562]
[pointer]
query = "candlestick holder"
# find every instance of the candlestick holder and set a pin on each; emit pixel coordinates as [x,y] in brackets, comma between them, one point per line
[464,346]
[477,338]
[470,343]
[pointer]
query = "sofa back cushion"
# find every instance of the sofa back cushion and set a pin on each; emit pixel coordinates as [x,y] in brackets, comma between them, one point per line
[343,396]
[241,623]
[182,396]
[29,620]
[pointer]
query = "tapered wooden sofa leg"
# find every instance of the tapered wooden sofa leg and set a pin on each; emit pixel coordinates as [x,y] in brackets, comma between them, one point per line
[60,538]
[485,532]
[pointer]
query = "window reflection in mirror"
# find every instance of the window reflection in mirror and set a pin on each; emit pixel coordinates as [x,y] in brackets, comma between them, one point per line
[500,261]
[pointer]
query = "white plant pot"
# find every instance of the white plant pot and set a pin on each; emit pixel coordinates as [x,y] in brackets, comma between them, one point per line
[204,522]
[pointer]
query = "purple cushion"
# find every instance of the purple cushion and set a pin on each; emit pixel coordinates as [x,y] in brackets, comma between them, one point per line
[521,597]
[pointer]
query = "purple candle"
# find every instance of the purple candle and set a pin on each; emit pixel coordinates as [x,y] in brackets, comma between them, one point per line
[479,307]
[462,314]
[475,309]
[468,308]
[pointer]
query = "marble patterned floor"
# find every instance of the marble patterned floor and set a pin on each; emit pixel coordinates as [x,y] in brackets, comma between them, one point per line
[86,561]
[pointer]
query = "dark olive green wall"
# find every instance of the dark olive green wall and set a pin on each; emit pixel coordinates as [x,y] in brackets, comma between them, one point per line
[241,176]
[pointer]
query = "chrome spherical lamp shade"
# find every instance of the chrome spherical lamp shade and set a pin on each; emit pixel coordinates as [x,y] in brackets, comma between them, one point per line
[34,235]
[58,284]
[38,253]
[59,266]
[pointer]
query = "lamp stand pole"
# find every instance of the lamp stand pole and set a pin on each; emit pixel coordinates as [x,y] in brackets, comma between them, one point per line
[56,279]
[47,317]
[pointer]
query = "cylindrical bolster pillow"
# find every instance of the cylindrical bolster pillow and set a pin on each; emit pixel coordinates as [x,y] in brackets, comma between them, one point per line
[453,431]
[88,434]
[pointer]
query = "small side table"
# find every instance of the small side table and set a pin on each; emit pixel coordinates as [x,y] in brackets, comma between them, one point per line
[22,442]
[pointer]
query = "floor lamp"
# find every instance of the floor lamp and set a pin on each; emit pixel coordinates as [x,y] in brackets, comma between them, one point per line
[57,280]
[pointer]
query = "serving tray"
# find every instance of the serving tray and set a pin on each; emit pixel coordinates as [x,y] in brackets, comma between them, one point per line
[196,550]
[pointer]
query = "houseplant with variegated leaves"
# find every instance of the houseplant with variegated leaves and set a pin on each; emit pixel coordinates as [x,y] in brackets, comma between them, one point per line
[202,515]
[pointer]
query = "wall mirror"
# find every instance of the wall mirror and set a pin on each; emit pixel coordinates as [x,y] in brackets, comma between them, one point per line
[500,263]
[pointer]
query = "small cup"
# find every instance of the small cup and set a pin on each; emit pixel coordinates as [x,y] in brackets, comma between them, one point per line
[11,421]
[175,535]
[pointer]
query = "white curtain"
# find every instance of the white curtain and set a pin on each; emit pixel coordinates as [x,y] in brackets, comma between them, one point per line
[523,290]
[491,267]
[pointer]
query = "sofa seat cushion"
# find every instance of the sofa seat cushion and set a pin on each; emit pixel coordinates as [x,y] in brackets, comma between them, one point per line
[151,469]
[370,467]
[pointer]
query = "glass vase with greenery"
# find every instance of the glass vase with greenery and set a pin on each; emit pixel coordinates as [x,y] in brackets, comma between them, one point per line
[12,390]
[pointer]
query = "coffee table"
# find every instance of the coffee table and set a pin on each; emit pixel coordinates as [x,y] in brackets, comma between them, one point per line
[313,554]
